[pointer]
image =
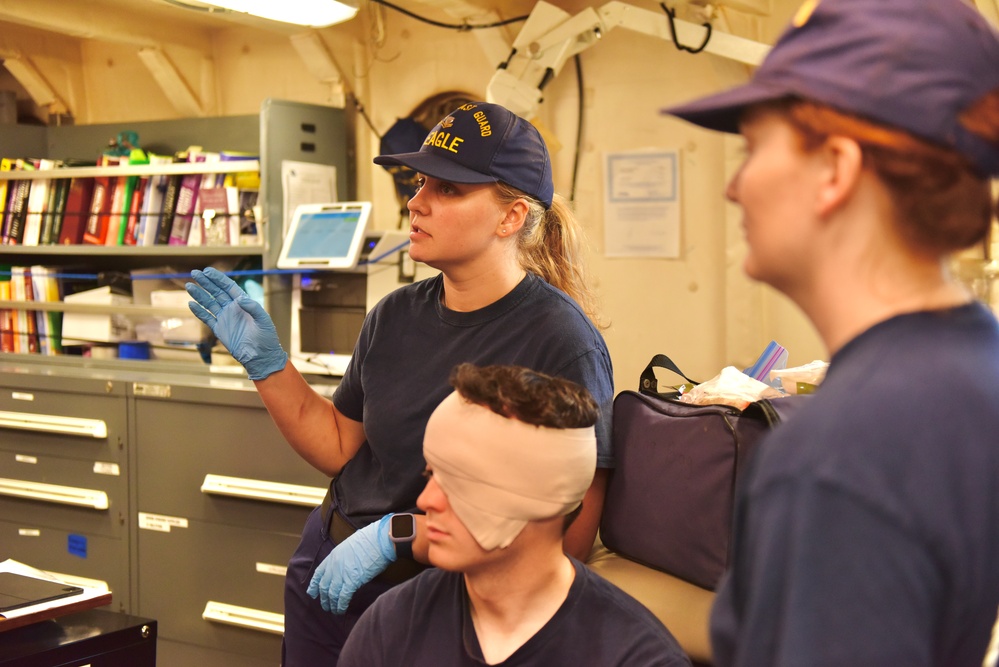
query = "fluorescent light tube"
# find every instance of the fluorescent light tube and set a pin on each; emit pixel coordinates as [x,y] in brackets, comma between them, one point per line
[314,13]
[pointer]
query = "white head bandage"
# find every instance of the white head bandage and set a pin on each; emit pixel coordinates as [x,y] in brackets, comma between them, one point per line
[500,473]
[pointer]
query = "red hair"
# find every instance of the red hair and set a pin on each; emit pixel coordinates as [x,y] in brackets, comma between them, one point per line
[942,203]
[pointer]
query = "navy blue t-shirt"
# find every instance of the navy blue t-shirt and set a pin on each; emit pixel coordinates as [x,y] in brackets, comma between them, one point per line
[867,525]
[398,374]
[426,622]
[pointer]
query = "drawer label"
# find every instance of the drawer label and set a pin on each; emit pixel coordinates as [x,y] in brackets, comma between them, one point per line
[25,458]
[29,532]
[149,389]
[105,468]
[22,396]
[160,523]
[270,568]
[76,545]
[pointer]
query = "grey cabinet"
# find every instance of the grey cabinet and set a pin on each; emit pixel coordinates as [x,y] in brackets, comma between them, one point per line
[176,490]
[64,461]
[221,502]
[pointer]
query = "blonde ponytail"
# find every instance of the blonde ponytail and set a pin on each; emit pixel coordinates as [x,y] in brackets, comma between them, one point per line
[551,244]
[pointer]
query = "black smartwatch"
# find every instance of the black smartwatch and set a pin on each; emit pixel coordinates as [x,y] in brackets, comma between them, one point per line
[402,532]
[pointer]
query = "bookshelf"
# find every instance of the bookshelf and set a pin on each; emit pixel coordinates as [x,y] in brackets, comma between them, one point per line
[170,424]
[283,131]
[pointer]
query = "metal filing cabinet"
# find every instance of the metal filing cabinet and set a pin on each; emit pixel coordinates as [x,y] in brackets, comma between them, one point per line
[64,496]
[222,499]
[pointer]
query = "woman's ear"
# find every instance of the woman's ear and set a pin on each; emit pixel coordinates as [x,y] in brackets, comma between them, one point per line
[842,164]
[516,213]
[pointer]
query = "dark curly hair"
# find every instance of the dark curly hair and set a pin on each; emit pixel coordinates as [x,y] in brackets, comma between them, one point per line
[528,396]
[525,395]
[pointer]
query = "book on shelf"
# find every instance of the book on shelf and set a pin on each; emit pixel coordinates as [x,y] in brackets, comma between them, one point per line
[55,210]
[118,191]
[187,199]
[49,322]
[214,217]
[25,327]
[80,193]
[17,205]
[128,209]
[96,230]
[128,220]
[151,209]
[38,198]
[5,166]
[6,314]
[134,211]
[249,230]
[170,195]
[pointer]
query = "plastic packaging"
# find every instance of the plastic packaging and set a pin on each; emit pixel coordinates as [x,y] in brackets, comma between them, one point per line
[800,379]
[730,387]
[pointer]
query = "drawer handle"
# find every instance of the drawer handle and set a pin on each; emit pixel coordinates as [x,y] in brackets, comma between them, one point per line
[256,489]
[52,493]
[244,617]
[91,428]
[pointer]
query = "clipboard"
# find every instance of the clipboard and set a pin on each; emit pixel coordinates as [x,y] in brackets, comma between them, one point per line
[48,599]
[18,591]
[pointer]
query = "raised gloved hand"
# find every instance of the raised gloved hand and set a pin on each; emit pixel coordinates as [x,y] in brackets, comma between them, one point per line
[239,322]
[352,563]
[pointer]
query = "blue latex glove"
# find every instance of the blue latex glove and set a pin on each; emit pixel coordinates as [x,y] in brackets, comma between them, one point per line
[239,322]
[352,563]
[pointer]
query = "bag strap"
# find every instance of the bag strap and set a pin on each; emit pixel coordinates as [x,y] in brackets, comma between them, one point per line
[648,384]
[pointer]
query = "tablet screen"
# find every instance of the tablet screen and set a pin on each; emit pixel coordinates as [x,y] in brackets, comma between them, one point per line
[18,590]
[325,236]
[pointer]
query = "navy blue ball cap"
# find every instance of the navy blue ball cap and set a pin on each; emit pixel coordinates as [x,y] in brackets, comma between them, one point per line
[915,65]
[483,143]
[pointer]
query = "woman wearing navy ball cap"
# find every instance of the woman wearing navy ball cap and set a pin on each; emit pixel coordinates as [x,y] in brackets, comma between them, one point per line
[511,291]
[867,526]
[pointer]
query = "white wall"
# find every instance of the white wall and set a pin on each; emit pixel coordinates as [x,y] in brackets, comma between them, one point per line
[698,308]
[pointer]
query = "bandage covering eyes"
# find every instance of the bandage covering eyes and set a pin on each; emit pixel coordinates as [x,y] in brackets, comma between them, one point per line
[499,473]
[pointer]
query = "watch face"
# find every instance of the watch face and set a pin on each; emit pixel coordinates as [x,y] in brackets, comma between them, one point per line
[403,528]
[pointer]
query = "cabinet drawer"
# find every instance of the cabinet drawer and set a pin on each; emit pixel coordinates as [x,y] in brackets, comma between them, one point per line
[221,462]
[63,423]
[81,496]
[71,553]
[207,566]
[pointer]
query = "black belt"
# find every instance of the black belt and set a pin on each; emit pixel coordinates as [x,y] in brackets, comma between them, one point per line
[339,530]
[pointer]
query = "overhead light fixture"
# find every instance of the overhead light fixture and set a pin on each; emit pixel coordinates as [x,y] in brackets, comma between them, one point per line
[313,13]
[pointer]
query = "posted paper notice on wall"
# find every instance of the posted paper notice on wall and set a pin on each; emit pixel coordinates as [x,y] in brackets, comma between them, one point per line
[642,204]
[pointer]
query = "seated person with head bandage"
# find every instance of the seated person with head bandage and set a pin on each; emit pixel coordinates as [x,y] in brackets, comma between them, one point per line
[510,454]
